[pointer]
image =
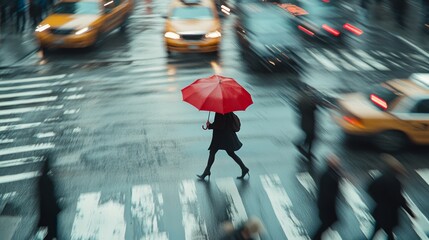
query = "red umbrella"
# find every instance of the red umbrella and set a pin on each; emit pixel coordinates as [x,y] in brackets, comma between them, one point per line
[217,94]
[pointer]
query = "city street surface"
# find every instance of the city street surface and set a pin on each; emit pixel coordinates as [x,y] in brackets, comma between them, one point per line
[127,147]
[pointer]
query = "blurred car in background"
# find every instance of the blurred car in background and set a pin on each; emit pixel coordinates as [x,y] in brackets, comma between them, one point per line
[265,37]
[322,20]
[393,113]
[81,23]
[192,26]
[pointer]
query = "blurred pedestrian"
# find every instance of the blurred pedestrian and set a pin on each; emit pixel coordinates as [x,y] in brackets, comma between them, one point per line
[48,205]
[20,14]
[327,196]
[425,7]
[399,10]
[35,12]
[224,138]
[307,106]
[3,10]
[386,191]
[247,231]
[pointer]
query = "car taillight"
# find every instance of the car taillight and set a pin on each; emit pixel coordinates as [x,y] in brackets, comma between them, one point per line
[325,1]
[353,121]
[305,30]
[378,101]
[353,29]
[331,30]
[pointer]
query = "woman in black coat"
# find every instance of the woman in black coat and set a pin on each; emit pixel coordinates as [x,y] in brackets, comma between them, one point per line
[224,138]
[386,191]
[48,205]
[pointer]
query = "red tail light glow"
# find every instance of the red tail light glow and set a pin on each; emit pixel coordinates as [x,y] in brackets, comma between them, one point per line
[305,30]
[330,30]
[378,101]
[326,1]
[352,29]
[353,121]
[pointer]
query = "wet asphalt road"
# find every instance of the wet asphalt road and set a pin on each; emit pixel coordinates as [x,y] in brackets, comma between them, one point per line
[127,148]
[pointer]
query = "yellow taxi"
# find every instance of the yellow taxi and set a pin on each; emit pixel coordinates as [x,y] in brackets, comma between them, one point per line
[82,23]
[192,26]
[393,113]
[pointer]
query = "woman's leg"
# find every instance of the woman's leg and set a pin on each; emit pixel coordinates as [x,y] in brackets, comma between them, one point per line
[237,159]
[210,161]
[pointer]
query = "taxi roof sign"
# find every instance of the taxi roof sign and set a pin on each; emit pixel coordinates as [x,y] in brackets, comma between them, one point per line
[421,78]
[293,9]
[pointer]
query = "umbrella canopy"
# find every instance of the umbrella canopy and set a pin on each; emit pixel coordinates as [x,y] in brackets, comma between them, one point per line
[217,94]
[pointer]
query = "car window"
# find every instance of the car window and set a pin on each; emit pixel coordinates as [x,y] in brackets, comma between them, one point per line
[188,13]
[77,8]
[421,107]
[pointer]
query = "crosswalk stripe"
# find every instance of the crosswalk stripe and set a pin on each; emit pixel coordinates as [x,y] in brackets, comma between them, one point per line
[6,140]
[323,60]
[29,109]
[45,135]
[35,79]
[358,206]
[9,120]
[424,173]
[356,61]
[26,148]
[28,101]
[18,177]
[369,59]
[98,221]
[282,206]
[19,161]
[236,209]
[25,94]
[146,213]
[19,126]
[74,97]
[194,224]
[31,86]
[341,61]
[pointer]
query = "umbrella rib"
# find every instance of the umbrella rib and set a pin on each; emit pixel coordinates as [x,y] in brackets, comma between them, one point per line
[205,100]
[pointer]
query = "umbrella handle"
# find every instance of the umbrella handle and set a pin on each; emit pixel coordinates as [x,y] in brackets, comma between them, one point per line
[205,127]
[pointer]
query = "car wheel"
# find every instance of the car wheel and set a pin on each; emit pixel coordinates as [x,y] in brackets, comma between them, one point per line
[390,141]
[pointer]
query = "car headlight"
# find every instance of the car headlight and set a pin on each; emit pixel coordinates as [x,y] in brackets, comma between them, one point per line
[83,30]
[172,35]
[41,28]
[214,34]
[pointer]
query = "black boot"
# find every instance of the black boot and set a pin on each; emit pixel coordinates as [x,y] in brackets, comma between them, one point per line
[204,175]
[244,172]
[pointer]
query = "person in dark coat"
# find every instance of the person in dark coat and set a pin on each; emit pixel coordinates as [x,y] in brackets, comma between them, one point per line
[386,191]
[399,8]
[327,196]
[307,106]
[48,205]
[20,14]
[224,138]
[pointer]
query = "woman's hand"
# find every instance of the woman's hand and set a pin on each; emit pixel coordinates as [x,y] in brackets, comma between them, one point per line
[206,126]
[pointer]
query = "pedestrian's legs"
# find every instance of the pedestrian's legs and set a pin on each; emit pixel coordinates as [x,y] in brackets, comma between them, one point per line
[52,230]
[376,229]
[236,159]
[308,143]
[389,233]
[210,161]
[318,235]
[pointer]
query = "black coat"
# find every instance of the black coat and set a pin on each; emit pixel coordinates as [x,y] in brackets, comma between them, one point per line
[307,107]
[48,205]
[223,136]
[327,196]
[386,191]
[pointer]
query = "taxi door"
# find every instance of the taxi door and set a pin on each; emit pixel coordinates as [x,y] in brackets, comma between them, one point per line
[418,122]
[110,15]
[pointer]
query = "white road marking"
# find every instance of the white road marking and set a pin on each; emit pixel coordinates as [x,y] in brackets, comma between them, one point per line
[45,135]
[413,45]
[28,101]
[25,94]
[98,221]
[6,140]
[193,223]
[19,161]
[146,213]
[9,120]
[424,173]
[159,68]
[71,111]
[282,206]
[341,61]
[18,177]
[73,89]
[372,61]
[36,79]
[356,61]
[360,209]
[19,126]
[29,109]
[421,223]
[236,208]
[308,183]
[74,97]
[323,60]
[31,86]
[26,148]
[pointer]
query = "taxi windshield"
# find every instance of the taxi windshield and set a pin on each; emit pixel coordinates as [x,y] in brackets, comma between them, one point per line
[382,96]
[188,13]
[77,8]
